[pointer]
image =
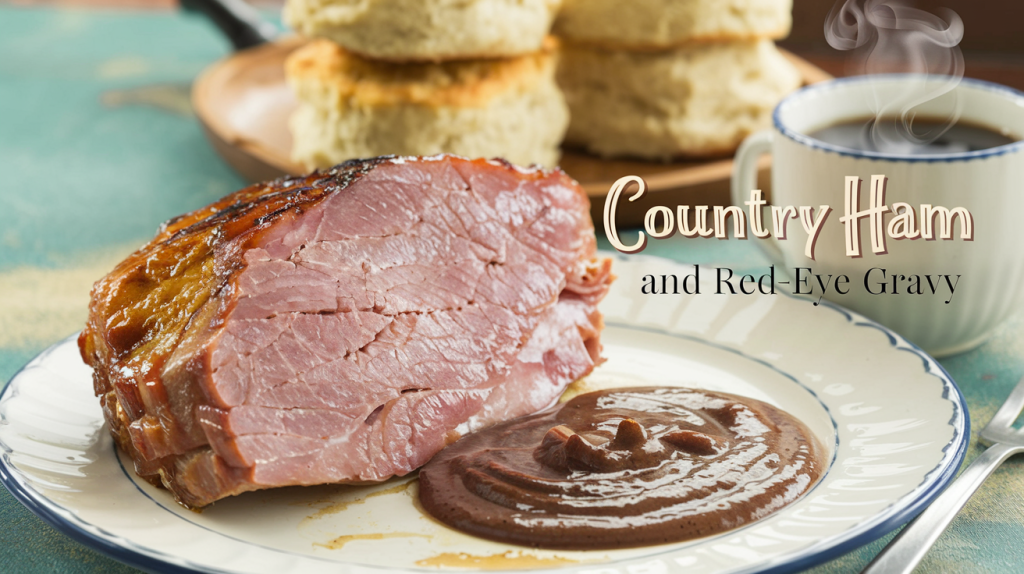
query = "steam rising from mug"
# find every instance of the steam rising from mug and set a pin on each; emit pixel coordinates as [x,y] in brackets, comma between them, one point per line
[891,36]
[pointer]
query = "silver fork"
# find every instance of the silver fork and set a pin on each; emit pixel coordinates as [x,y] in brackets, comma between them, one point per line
[910,546]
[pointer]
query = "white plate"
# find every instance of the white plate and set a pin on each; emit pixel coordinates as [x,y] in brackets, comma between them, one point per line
[892,420]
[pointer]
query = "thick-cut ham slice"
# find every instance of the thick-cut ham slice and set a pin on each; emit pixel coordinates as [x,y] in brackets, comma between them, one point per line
[345,326]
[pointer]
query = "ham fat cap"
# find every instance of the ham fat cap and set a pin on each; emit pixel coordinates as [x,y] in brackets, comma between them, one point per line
[343,326]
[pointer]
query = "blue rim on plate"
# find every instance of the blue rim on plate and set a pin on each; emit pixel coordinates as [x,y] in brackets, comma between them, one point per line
[880,524]
[888,522]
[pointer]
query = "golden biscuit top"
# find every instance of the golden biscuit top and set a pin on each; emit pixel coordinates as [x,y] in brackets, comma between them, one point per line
[462,83]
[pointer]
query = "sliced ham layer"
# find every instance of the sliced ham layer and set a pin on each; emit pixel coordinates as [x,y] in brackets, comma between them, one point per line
[347,325]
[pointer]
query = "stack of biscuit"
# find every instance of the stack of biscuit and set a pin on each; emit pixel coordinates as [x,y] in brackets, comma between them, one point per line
[419,77]
[665,79]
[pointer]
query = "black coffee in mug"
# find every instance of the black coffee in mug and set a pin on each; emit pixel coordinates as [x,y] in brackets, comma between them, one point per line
[889,135]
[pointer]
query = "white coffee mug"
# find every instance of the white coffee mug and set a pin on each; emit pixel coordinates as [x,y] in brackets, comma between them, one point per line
[989,184]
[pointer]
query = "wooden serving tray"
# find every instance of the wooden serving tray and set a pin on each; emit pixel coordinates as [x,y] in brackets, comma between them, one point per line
[244,103]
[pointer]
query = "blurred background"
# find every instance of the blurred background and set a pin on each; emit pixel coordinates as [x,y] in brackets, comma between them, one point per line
[98,146]
[993,43]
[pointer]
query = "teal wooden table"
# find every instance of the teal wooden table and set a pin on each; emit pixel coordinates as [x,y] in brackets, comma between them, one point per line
[98,146]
